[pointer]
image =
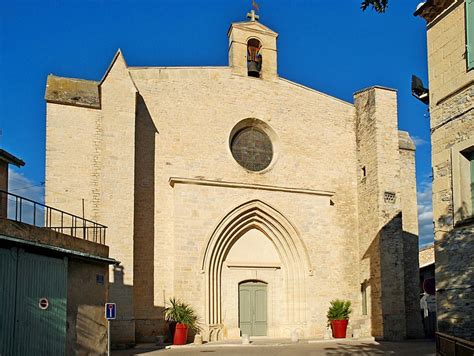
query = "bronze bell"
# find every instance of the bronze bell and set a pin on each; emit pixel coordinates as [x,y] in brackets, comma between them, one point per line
[253,69]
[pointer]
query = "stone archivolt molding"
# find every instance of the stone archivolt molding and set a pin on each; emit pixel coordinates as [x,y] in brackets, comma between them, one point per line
[291,249]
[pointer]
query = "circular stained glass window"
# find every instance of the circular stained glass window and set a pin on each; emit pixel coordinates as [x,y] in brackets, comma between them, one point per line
[252,149]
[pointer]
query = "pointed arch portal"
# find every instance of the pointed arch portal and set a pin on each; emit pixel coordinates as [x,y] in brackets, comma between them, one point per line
[293,254]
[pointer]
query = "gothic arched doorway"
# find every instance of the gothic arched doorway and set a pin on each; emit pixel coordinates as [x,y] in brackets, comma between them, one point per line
[284,239]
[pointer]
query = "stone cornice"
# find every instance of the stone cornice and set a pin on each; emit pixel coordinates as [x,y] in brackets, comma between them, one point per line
[251,27]
[247,265]
[214,183]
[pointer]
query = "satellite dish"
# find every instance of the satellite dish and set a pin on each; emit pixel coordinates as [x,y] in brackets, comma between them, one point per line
[419,91]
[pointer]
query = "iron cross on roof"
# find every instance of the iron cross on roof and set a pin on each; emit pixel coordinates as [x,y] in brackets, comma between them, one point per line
[253,16]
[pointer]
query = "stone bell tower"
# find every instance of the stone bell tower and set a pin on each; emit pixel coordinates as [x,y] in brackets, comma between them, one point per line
[253,49]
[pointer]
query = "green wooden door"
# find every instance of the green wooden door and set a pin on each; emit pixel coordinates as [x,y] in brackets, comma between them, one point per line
[28,327]
[41,331]
[253,308]
[8,267]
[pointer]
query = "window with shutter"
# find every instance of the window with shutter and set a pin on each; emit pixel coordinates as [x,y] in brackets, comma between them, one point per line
[462,155]
[470,33]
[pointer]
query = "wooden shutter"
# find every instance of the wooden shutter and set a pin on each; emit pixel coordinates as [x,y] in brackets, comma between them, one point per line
[470,33]
[472,182]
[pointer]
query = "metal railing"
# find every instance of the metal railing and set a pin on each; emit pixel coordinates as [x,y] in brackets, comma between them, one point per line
[18,208]
[447,345]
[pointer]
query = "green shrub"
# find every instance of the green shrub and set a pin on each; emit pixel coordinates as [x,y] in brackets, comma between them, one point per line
[181,313]
[339,310]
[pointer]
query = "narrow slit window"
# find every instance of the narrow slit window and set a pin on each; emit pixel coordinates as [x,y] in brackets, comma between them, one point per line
[363,291]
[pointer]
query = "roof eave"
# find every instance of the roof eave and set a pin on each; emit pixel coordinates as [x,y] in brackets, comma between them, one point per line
[11,159]
[422,8]
[431,9]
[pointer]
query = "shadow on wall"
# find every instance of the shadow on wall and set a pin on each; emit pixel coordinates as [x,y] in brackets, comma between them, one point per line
[90,336]
[145,320]
[155,325]
[87,328]
[454,268]
[148,317]
[394,278]
[122,329]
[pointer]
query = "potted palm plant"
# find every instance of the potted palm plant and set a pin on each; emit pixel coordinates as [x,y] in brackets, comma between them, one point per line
[185,318]
[338,317]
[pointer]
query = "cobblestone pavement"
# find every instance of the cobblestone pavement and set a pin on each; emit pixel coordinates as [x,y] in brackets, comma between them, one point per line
[405,348]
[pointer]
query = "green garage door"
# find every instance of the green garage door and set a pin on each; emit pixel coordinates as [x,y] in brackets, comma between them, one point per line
[8,263]
[35,304]
[253,308]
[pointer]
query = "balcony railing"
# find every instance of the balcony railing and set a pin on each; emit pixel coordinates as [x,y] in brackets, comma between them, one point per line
[18,208]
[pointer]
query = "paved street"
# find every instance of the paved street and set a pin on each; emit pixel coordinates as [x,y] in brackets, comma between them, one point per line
[406,348]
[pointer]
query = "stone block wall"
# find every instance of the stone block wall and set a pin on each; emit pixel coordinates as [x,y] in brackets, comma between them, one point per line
[87,326]
[454,233]
[453,129]
[146,314]
[446,41]
[90,155]
[71,158]
[454,282]
[117,188]
[388,247]
[452,135]
[410,235]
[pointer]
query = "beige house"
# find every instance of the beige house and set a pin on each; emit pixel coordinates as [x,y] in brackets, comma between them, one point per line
[253,198]
[450,31]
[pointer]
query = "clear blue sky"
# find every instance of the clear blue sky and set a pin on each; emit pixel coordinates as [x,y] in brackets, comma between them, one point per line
[331,46]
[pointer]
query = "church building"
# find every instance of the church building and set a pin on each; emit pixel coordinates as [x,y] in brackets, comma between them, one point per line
[254,199]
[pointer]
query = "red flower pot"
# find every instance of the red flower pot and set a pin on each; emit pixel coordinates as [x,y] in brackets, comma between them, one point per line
[180,334]
[339,328]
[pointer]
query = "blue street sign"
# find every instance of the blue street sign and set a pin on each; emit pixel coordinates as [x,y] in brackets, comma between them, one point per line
[110,311]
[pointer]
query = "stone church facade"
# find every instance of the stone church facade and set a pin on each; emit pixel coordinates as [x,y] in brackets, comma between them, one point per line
[255,199]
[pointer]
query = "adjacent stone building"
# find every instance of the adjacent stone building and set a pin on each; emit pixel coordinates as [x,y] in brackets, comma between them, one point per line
[255,199]
[450,30]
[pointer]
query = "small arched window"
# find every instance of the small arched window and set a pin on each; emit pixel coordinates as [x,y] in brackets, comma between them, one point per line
[254,58]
